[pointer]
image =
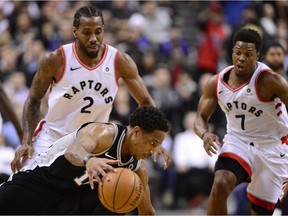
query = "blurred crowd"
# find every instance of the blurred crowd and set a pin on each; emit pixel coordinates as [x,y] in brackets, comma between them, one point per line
[177,46]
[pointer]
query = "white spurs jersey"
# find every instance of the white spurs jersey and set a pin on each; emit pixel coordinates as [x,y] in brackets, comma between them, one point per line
[248,117]
[82,94]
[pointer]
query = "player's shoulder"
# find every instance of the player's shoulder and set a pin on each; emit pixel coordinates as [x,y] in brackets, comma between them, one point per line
[269,77]
[53,58]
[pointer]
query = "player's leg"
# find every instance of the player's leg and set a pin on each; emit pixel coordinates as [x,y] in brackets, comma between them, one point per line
[284,198]
[228,174]
[22,195]
[270,170]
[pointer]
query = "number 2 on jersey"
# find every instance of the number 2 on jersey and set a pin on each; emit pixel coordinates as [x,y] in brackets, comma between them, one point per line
[90,103]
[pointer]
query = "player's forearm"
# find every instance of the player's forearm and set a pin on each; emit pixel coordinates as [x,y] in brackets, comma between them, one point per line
[200,127]
[30,120]
[145,207]
[76,155]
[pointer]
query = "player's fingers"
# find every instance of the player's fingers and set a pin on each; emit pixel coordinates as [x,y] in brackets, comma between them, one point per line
[217,141]
[214,147]
[111,168]
[13,166]
[16,163]
[104,174]
[207,149]
[167,162]
[165,165]
[109,161]
[105,170]
[98,178]
[157,154]
[213,151]
[30,152]
[91,178]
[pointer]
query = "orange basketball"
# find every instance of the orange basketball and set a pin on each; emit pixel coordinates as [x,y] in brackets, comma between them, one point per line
[123,192]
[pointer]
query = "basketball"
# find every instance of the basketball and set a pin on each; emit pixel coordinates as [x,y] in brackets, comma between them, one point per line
[123,192]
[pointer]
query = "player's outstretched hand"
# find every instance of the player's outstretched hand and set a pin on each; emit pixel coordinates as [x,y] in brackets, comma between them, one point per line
[25,151]
[163,153]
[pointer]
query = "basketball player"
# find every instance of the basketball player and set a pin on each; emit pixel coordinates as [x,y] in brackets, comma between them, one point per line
[255,146]
[57,182]
[82,78]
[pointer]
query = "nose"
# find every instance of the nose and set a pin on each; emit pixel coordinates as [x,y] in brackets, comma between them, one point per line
[93,38]
[242,58]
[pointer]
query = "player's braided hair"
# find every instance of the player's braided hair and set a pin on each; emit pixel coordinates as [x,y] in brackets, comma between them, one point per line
[248,35]
[149,118]
[88,11]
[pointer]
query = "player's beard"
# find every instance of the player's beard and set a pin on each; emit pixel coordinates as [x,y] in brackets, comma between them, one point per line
[276,67]
[89,54]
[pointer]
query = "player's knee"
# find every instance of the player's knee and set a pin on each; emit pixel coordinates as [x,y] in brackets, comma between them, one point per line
[222,186]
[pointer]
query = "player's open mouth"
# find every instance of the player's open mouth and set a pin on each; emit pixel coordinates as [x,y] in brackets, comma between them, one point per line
[240,67]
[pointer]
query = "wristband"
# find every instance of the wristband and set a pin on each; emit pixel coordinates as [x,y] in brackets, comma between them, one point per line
[88,157]
[204,134]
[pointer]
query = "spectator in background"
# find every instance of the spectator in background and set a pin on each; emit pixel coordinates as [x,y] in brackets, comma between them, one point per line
[154,21]
[148,63]
[24,26]
[16,88]
[194,169]
[165,96]
[281,9]
[176,42]
[121,107]
[282,27]
[17,92]
[30,59]
[9,133]
[274,56]
[8,61]
[8,110]
[214,34]
[267,21]
[187,89]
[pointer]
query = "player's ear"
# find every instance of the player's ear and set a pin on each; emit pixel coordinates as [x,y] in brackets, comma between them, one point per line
[75,33]
[136,130]
[258,54]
